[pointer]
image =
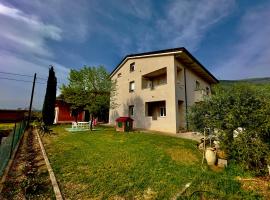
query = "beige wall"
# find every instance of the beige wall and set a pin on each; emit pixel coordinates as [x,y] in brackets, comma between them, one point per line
[172,92]
[191,79]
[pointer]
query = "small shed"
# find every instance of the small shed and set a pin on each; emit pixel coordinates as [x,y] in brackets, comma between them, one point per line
[124,124]
[63,113]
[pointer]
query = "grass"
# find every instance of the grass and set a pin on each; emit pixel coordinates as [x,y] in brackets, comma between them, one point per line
[104,164]
[4,126]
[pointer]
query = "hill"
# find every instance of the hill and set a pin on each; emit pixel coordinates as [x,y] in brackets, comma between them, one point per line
[265,80]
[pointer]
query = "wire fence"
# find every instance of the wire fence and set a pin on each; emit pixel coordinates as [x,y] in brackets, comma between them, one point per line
[8,142]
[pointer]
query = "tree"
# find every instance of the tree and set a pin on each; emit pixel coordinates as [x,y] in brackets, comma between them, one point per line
[50,97]
[89,89]
[240,105]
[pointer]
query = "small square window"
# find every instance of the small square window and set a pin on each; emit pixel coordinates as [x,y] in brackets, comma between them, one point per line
[131,110]
[162,111]
[131,86]
[119,75]
[132,67]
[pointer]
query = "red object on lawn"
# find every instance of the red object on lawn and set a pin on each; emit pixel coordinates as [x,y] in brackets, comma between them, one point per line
[95,122]
[124,124]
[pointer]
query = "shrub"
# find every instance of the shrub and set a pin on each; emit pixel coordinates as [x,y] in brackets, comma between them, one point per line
[240,105]
[251,152]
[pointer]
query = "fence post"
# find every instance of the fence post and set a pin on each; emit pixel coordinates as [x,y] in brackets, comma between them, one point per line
[11,147]
[20,130]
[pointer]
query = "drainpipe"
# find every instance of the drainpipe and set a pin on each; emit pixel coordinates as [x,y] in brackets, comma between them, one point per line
[185,79]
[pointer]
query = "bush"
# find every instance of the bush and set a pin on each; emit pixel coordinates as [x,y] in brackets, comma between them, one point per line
[240,105]
[251,152]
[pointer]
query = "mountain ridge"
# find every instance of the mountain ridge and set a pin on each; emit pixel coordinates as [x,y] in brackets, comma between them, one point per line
[263,80]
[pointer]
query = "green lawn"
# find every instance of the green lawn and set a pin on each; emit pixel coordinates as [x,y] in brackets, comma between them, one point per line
[4,126]
[104,164]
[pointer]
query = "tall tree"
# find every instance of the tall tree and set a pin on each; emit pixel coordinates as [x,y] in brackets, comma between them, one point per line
[50,97]
[89,89]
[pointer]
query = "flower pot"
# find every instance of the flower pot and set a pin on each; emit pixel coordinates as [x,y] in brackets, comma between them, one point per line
[210,156]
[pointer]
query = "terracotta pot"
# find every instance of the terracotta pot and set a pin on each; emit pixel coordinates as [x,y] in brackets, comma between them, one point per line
[210,156]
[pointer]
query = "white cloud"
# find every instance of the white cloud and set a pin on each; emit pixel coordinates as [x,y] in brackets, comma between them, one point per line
[141,10]
[72,17]
[250,55]
[49,31]
[24,50]
[23,32]
[17,94]
[188,22]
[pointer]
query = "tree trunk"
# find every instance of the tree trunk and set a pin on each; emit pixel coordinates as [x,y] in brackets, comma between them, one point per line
[91,124]
[76,117]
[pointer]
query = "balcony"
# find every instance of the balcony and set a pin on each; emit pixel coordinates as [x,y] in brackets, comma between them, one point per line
[155,109]
[154,79]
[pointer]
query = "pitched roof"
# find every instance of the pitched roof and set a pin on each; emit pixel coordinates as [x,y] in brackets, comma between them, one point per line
[166,51]
[124,119]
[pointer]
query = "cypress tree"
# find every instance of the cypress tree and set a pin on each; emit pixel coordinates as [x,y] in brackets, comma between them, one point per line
[50,97]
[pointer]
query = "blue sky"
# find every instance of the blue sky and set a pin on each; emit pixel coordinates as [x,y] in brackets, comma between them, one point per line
[230,38]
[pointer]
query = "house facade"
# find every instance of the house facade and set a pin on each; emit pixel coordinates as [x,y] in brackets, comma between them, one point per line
[157,88]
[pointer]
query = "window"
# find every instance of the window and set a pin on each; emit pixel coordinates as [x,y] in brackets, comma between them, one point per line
[119,75]
[132,67]
[131,110]
[207,90]
[162,111]
[150,85]
[131,86]
[197,85]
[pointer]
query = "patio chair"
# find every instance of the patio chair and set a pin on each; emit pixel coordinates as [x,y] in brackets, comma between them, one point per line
[74,125]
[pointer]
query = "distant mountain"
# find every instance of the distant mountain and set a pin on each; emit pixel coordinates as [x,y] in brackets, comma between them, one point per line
[265,80]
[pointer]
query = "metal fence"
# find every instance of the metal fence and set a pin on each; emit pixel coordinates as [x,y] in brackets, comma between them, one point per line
[9,143]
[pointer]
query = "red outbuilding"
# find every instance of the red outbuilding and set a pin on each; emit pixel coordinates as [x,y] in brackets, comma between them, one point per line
[63,113]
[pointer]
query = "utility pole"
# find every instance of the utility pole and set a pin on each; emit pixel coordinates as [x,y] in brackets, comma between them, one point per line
[31,101]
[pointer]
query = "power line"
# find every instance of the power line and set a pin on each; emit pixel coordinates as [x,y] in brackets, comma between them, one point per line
[16,74]
[41,78]
[24,75]
[20,80]
[13,79]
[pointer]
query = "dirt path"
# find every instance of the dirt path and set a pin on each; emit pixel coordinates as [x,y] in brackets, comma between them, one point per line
[28,177]
[260,184]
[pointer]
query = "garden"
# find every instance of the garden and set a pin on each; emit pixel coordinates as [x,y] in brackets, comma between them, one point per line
[105,164]
[102,163]
[28,177]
